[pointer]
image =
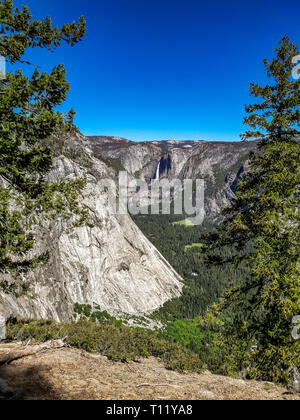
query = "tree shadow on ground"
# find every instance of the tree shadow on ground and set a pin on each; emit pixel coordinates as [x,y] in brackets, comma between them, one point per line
[26,383]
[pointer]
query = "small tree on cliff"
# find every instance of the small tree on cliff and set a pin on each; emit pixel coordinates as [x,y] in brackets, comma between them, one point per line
[265,213]
[27,118]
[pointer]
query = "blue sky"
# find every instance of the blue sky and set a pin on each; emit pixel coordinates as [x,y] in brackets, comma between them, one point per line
[166,69]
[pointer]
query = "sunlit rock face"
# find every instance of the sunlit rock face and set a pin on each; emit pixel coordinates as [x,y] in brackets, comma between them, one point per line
[108,262]
[220,164]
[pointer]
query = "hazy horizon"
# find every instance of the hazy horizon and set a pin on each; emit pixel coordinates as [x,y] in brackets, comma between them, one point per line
[163,139]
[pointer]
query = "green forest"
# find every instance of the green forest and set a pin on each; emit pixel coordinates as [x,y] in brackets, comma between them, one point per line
[205,282]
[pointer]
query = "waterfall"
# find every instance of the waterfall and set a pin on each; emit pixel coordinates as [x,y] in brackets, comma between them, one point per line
[156,178]
[157,172]
[164,166]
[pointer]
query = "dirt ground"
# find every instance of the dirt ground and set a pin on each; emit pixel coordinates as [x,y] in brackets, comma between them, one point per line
[70,374]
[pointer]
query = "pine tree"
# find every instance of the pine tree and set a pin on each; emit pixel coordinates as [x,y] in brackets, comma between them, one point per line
[28,116]
[265,214]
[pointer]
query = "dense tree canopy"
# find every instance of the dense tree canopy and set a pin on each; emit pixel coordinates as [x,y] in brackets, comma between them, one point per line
[266,213]
[28,116]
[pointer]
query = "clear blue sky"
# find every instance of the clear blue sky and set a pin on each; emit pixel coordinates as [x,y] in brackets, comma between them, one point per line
[161,69]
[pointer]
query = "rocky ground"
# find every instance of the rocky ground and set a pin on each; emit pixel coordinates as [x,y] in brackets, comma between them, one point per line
[54,372]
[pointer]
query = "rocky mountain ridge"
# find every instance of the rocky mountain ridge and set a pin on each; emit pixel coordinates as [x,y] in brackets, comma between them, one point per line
[220,164]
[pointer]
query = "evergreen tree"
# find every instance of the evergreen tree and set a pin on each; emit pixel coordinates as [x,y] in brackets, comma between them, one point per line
[265,213]
[28,116]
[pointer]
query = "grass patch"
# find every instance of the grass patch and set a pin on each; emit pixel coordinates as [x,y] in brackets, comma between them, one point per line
[118,343]
[199,339]
[186,223]
[187,247]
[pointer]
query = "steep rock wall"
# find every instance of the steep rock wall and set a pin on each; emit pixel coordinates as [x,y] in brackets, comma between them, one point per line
[107,262]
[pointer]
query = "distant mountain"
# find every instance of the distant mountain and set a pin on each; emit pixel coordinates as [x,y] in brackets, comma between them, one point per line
[220,164]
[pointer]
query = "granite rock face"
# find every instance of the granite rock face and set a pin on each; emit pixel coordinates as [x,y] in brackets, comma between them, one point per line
[220,164]
[107,262]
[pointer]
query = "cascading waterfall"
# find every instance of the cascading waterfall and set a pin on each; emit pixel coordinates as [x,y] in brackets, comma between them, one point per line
[156,178]
[163,167]
[157,172]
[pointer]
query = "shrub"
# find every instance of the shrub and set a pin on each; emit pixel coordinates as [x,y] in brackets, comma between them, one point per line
[117,342]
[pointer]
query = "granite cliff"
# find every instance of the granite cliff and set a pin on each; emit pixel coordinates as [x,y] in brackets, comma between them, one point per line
[108,262]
